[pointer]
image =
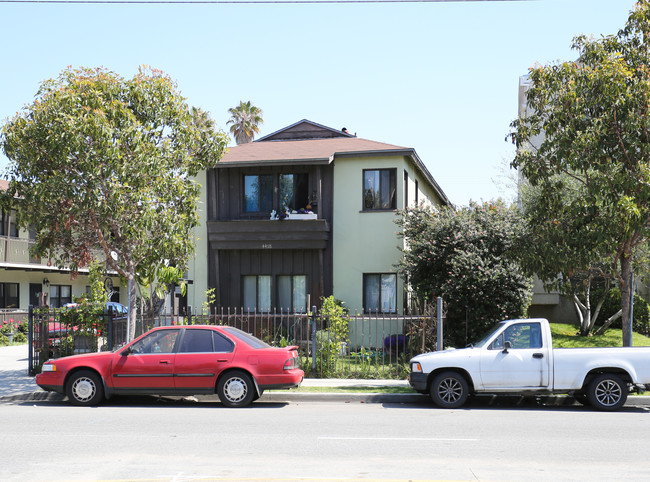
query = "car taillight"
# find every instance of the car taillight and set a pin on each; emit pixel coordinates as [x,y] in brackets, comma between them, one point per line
[291,363]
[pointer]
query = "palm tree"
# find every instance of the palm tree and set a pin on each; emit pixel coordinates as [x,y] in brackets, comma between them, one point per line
[201,118]
[245,119]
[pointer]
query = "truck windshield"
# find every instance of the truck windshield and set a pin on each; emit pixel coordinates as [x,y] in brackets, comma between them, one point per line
[484,340]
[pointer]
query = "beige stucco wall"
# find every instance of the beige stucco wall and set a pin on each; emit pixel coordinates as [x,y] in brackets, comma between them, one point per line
[198,265]
[364,242]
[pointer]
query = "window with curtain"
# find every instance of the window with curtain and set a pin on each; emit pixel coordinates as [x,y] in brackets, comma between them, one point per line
[379,189]
[257,293]
[292,293]
[380,293]
[60,295]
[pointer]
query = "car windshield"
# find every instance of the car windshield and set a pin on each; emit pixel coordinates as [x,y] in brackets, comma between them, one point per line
[247,338]
[484,340]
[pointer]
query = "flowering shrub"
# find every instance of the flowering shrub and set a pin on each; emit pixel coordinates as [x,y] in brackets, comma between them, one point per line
[9,326]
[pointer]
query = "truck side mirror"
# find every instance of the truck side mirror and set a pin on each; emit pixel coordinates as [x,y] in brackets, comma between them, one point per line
[506,346]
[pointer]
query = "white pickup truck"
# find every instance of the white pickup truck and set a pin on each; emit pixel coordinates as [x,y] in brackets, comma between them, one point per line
[517,357]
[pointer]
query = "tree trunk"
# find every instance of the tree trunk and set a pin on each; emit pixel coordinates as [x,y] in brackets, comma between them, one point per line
[626,292]
[132,308]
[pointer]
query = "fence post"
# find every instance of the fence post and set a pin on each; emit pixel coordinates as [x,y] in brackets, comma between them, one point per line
[189,315]
[30,334]
[313,339]
[110,328]
[439,320]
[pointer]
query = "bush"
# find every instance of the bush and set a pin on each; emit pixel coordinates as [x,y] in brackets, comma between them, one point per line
[466,256]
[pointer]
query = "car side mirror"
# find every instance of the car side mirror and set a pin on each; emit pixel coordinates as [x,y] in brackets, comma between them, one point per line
[127,351]
[506,346]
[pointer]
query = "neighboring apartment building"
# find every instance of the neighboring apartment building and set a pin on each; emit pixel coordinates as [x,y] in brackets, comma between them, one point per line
[25,280]
[339,237]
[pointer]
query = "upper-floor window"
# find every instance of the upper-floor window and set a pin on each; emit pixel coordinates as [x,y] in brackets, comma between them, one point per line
[9,295]
[264,193]
[258,193]
[380,293]
[379,189]
[8,226]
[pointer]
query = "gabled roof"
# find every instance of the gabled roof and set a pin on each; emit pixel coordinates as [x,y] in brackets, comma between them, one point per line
[304,129]
[307,142]
[306,151]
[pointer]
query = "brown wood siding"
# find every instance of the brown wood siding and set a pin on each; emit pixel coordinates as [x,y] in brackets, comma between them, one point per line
[234,264]
[241,244]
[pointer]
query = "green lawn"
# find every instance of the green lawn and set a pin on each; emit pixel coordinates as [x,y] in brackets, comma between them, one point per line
[564,336]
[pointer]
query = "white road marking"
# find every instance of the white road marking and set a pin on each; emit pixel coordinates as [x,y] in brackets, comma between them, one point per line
[406,439]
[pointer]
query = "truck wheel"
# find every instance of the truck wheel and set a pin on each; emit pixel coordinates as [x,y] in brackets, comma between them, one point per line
[449,390]
[607,392]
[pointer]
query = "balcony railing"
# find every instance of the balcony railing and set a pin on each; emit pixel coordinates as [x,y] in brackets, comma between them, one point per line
[16,250]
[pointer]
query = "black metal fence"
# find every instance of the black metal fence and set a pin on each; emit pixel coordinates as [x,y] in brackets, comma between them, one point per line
[374,345]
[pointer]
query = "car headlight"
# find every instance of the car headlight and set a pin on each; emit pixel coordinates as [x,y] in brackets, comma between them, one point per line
[416,367]
[49,367]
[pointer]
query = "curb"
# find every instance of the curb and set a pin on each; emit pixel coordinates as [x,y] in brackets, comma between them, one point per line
[330,397]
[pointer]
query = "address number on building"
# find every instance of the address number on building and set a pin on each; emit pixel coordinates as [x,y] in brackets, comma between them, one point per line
[267,246]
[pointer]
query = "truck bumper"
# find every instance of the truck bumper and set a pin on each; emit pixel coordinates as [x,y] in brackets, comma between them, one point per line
[418,381]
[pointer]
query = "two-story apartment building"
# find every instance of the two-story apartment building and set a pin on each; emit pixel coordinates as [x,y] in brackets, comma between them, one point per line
[26,280]
[306,212]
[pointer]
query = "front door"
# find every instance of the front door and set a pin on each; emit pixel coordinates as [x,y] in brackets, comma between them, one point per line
[524,364]
[150,366]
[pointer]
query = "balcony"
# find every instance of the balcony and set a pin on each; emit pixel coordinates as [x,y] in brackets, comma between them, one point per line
[16,251]
[267,234]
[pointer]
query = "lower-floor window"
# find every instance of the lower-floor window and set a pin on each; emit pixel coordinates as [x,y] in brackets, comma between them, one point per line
[257,293]
[290,293]
[60,295]
[380,293]
[9,295]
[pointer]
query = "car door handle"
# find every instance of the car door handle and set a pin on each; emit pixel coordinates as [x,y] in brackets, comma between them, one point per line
[538,355]
[164,362]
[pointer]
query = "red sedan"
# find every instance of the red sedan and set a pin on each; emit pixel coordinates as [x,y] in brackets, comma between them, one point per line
[177,360]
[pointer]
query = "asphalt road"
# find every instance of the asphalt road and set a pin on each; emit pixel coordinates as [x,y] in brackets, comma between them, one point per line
[166,440]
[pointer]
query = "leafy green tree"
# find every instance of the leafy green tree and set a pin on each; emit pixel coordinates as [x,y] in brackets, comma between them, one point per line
[245,120]
[102,166]
[593,115]
[560,254]
[467,257]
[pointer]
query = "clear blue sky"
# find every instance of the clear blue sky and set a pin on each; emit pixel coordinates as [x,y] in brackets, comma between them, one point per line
[441,78]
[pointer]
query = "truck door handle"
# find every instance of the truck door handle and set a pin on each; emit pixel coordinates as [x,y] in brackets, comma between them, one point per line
[538,355]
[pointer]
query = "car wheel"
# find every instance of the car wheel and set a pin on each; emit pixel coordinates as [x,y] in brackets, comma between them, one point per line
[449,390]
[85,388]
[236,389]
[607,392]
